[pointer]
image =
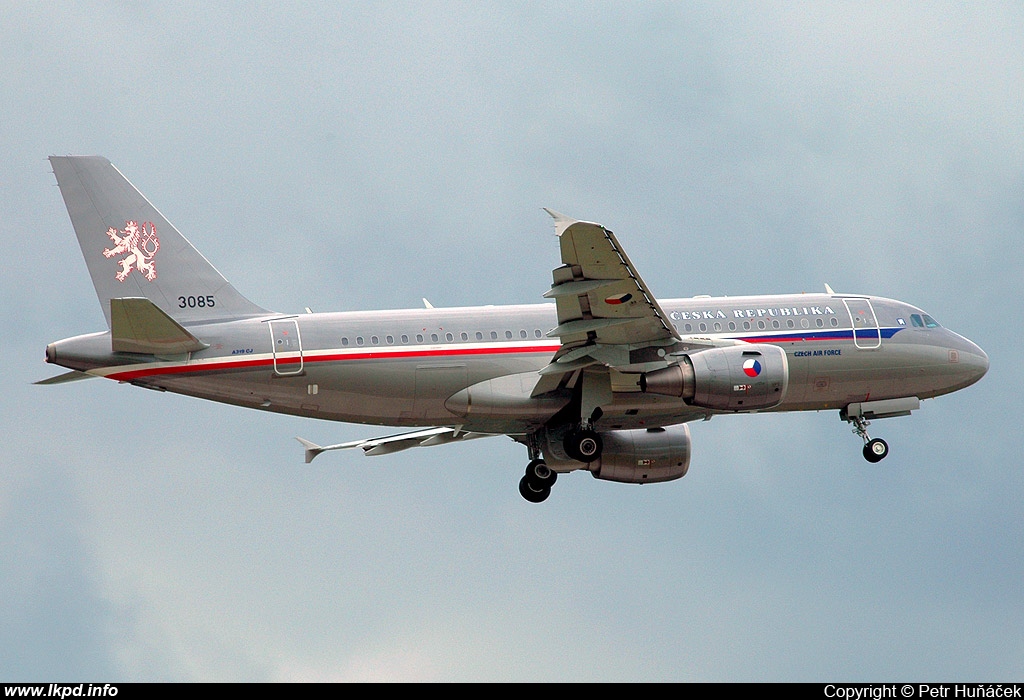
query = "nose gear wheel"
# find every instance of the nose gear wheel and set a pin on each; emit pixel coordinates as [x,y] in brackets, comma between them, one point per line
[875,449]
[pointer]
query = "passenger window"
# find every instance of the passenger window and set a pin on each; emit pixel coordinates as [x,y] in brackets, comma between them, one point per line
[746,325]
[419,337]
[508,335]
[732,325]
[523,334]
[433,337]
[344,342]
[703,327]
[789,323]
[537,333]
[405,338]
[804,323]
[465,336]
[819,323]
[760,325]
[479,335]
[775,323]
[689,328]
[359,340]
[390,339]
[834,321]
[449,337]
[718,326]
[374,340]
[494,335]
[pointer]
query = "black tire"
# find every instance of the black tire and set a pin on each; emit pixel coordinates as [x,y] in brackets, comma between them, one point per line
[540,475]
[876,450]
[532,494]
[583,445]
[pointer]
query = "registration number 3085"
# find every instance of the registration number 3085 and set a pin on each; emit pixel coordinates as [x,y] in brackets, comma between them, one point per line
[196,302]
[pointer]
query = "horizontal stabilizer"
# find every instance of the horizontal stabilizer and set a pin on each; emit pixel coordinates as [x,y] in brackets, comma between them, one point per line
[395,443]
[72,376]
[138,325]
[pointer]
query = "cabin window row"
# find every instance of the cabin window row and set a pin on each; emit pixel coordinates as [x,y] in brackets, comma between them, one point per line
[447,337]
[760,325]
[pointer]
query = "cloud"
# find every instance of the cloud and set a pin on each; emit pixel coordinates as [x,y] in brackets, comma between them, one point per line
[56,622]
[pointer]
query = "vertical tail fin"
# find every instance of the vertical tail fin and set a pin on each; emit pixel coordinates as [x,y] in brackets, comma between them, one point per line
[131,250]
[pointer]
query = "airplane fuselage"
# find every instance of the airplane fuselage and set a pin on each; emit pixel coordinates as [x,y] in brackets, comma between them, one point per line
[402,367]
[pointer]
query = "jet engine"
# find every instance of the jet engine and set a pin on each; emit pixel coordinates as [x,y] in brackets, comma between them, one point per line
[737,378]
[632,456]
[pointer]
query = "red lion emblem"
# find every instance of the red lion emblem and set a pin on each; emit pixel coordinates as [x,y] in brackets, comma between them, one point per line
[138,244]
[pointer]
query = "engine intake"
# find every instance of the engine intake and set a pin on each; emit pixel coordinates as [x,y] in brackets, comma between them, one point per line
[739,378]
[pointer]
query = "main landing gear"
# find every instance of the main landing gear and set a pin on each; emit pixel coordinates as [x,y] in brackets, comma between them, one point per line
[875,449]
[536,485]
[582,444]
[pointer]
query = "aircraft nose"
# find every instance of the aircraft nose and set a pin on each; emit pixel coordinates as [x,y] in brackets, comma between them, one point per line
[974,361]
[980,362]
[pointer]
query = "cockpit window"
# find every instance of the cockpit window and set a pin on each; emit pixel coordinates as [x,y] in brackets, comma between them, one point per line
[923,321]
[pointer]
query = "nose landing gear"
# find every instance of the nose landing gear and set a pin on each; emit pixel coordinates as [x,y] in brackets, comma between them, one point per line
[875,449]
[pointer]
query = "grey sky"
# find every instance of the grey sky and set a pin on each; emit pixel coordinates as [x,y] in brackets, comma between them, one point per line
[361,155]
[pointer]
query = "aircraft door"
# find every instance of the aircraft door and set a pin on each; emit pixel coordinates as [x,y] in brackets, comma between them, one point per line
[866,333]
[286,344]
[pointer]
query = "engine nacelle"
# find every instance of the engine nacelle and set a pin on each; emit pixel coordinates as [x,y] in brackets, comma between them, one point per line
[738,378]
[632,456]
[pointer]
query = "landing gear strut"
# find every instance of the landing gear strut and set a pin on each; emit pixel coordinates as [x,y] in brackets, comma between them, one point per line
[875,449]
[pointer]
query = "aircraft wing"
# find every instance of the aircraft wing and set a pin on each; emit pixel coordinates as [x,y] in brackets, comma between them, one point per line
[395,443]
[606,313]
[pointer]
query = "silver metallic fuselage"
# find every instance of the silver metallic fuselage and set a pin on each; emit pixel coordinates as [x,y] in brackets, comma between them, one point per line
[408,367]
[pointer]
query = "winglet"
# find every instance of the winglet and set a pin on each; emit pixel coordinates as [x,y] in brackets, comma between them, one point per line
[312,449]
[562,221]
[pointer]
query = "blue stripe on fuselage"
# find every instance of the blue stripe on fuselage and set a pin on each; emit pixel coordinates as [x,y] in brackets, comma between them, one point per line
[824,335]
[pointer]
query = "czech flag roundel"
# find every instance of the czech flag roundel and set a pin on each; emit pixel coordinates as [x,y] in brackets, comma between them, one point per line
[752,368]
[618,299]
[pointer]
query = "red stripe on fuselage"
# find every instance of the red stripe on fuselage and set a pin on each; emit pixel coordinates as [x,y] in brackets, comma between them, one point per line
[333,357]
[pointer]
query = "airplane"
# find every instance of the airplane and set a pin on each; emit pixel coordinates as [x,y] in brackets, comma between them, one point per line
[603,377]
